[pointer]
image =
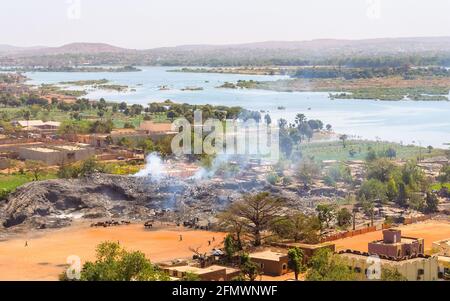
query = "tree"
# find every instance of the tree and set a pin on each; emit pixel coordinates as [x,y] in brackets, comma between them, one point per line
[249,269]
[113,263]
[295,260]
[307,170]
[343,138]
[328,127]
[267,119]
[380,169]
[325,213]
[234,225]
[298,226]
[432,202]
[190,276]
[257,213]
[146,145]
[325,266]
[391,275]
[344,218]
[430,149]
[35,167]
[229,247]
[391,153]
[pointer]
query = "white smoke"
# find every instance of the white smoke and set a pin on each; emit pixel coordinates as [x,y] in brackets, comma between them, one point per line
[154,168]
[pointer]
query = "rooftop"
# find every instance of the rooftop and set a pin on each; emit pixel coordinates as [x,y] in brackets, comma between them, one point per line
[197,270]
[268,255]
[42,150]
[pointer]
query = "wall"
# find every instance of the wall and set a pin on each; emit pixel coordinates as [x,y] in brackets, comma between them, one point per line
[272,267]
[348,234]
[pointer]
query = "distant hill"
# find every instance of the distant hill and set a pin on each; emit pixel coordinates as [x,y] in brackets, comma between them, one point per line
[427,50]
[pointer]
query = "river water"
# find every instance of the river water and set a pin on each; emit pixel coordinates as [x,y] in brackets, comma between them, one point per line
[409,122]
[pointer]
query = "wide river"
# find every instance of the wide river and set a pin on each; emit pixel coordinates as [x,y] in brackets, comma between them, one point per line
[410,122]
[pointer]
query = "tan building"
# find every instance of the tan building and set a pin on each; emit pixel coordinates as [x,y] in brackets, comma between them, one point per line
[395,245]
[271,263]
[56,154]
[212,273]
[415,268]
[442,247]
[154,129]
[38,126]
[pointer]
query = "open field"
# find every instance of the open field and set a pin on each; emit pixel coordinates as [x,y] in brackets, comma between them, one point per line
[46,254]
[334,150]
[430,231]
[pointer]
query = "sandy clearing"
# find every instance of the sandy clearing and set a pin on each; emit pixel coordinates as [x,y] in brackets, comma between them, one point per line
[46,255]
[430,231]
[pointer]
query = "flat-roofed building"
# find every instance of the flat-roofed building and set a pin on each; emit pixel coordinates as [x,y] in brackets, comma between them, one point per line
[211,273]
[395,245]
[56,154]
[271,263]
[415,268]
[155,130]
[442,247]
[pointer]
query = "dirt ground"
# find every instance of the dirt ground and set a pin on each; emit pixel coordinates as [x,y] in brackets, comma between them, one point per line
[46,255]
[430,231]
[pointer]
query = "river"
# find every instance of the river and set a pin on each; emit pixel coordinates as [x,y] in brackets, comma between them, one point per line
[409,122]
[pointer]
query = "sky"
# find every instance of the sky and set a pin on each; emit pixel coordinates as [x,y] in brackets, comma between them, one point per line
[143,24]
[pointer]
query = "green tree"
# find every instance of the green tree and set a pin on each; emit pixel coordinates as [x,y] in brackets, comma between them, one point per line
[325,266]
[326,213]
[343,138]
[257,212]
[229,247]
[307,171]
[35,167]
[190,276]
[295,262]
[344,218]
[250,270]
[432,202]
[113,263]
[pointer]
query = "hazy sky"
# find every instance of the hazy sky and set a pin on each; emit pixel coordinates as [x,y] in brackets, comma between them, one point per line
[154,23]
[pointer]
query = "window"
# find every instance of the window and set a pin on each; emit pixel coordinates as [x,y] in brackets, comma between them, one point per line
[420,272]
[357,270]
[284,266]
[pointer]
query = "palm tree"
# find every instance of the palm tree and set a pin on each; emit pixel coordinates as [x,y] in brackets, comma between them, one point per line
[344,139]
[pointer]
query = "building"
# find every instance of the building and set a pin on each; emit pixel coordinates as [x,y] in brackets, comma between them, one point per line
[38,126]
[394,252]
[414,268]
[56,154]
[442,247]
[271,263]
[395,245]
[156,130]
[211,273]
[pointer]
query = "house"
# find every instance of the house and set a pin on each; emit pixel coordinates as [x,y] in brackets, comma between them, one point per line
[38,126]
[271,263]
[442,248]
[211,273]
[395,245]
[56,154]
[156,130]
[414,268]
[394,252]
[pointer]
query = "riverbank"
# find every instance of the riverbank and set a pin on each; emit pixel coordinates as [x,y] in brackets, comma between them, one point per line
[394,88]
